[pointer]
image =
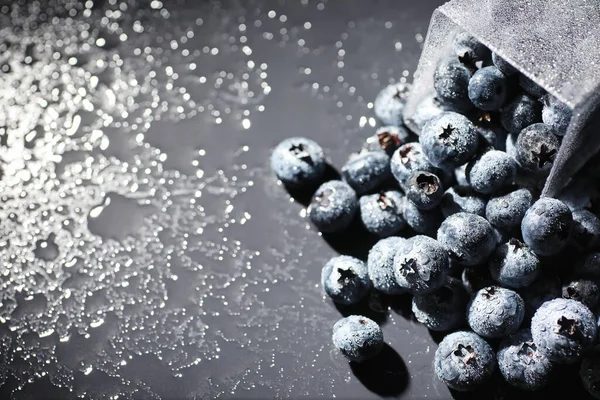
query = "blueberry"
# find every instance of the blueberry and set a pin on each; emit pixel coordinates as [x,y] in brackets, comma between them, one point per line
[460,173]
[449,140]
[408,159]
[444,309]
[507,211]
[380,264]
[333,206]
[491,171]
[503,66]
[421,265]
[537,147]
[496,312]
[521,112]
[469,238]
[546,226]
[511,145]
[521,364]
[451,83]
[582,290]
[491,134]
[298,162]
[488,89]
[556,114]
[476,278]
[545,288]
[427,109]
[389,103]
[366,171]
[589,267]
[462,199]
[422,221]
[586,230]
[345,279]
[388,139]
[464,361]
[562,329]
[424,190]
[358,338]
[531,87]
[381,213]
[469,50]
[514,265]
[590,372]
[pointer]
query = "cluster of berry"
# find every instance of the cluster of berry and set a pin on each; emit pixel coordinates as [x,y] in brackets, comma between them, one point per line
[483,254]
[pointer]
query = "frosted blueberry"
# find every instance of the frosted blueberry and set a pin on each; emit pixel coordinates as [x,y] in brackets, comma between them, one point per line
[367,171]
[424,190]
[556,114]
[422,221]
[507,211]
[514,265]
[358,338]
[298,161]
[333,206]
[491,171]
[546,226]
[380,264]
[462,199]
[381,213]
[345,279]
[408,159]
[488,89]
[389,103]
[443,309]
[537,147]
[451,83]
[496,312]
[521,112]
[468,238]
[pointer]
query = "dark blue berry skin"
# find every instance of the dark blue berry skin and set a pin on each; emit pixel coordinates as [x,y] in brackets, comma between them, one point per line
[444,309]
[388,139]
[358,338]
[298,162]
[476,278]
[491,134]
[464,361]
[507,211]
[460,174]
[469,50]
[521,112]
[556,114]
[468,238]
[589,267]
[427,109]
[546,226]
[381,213]
[583,290]
[488,89]
[424,190]
[449,140]
[421,265]
[462,199]
[503,66]
[367,171]
[563,329]
[345,279]
[380,264]
[521,364]
[590,372]
[333,206]
[389,103]
[407,159]
[421,221]
[537,147]
[496,312]
[451,83]
[545,288]
[514,265]
[491,171]
[586,230]
[531,87]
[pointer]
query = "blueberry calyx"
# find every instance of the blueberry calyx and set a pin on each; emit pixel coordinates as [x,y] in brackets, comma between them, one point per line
[300,152]
[567,326]
[446,134]
[489,292]
[323,199]
[384,202]
[406,155]
[408,267]
[572,293]
[468,60]
[526,352]
[544,155]
[465,353]
[427,183]
[346,275]
[387,140]
[516,244]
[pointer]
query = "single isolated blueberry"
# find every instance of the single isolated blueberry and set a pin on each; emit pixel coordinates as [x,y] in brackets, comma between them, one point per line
[543,289]
[590,372]
[503,66]
[531,87]
[537,147]
[444,309]
[521,112]
[556,114]
[451,83]
[408,159]
[298,162]
[388,139]
[464,361]
[514,265]
[422,221]
[389,103]
[476,278]
[507,211]
[468,238]
[421,265]
[491,171]
[496,312]
[563,329]
[521,364]
[586,230]
[449,140]
[381,213]
[345,279]
[367,171]
[583,290]
[358,338]
[380,264]
[427,109]
[462,199]
[469,50]
[333,206]
[488,89]
[546,226]
[424,189]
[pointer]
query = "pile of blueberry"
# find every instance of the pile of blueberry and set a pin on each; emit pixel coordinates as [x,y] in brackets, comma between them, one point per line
[510,278]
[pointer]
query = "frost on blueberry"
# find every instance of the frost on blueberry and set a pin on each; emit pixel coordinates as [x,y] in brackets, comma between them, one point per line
[424,189]
[345,279]
[425,222]
[443,309]
[537,147]
[462,199]
[451,83]
[491,171]
[333,206]
[521,112]
[358,338]
[381,213]
[367,171]
[507,211]
[469,50]
[496,312]
[298,162]
[468,238]
[547,226]
[556,114]
[488,89]
[380,264]
[514,265]
[427,109]
[407,159]
[389,103]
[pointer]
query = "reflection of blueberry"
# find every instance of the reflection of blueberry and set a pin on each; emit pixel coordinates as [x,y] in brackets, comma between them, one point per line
[488,89]
[556,114]
[443,309]
[491,171]
[333,206]
[381,213]
[531,87]
[507,211]
[451,83]
[380,264]
[298,162]
[366,171]
[496,312]
[521,112]
[424,189]
[422,221]
[537,147]
[389,103]
[547,225]
[408,159]
[388,139]
[514,265]
[468,237]
[345,279]
[358,338]
[462,199]
[503,66]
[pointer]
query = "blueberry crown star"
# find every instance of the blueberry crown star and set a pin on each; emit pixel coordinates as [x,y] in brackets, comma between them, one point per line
[447,133]
[300,152]
[427,183]
[526,352]
[408,266]
[567,326]
[323,199]
[465,353]
[346,275]
[384,202]
[388,140]
[544,156]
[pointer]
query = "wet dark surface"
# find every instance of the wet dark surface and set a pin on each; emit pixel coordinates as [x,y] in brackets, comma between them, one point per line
[147,250]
